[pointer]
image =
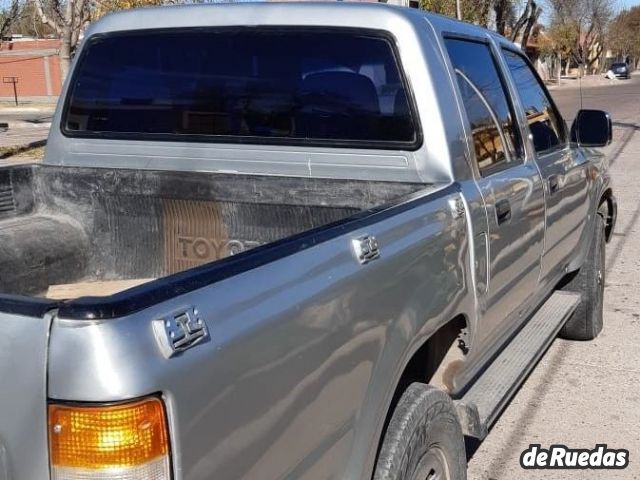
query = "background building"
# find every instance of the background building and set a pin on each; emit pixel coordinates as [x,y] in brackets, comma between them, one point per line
[34,62]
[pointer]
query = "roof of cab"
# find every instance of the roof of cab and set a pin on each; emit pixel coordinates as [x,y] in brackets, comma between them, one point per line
[327,14]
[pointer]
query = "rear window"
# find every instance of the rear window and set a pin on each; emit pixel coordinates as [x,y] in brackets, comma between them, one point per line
[242,85]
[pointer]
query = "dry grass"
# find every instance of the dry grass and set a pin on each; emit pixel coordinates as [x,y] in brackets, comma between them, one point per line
[9,151]
[35,153]
[18,154]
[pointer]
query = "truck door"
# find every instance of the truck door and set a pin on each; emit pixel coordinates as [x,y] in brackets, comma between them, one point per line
[564,171]
[512,187]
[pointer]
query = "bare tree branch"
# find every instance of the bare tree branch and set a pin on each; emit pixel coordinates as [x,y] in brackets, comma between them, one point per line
[534,15]
[47,19]
[588,19]
[521,22]
[8,18]
[500,9]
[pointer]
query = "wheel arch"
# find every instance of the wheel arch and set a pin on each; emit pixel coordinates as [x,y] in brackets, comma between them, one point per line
[422,365]
[608,208]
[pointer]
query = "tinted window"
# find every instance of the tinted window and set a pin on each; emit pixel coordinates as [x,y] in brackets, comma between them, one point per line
[545,124]
[241,85]
[495,136]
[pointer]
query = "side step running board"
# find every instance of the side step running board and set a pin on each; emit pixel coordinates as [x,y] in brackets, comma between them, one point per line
[486,398]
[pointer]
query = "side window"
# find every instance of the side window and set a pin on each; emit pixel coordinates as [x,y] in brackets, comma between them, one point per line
[495,134]
[545,124]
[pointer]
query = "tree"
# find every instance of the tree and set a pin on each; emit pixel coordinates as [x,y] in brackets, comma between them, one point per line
[589,20]
[489,13]
[560,39]
[8,17]
[474,11]
[623,37]
[504,12]
[103,7]
[523,26]
[67,19]
[28,22]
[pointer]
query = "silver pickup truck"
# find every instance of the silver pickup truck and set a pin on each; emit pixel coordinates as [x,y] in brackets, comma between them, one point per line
[290,241]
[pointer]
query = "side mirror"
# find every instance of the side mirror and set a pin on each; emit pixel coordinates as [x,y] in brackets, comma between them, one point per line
[591,128]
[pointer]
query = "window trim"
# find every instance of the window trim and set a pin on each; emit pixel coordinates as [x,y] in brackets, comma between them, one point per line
[519,158]
[385,35]
[564,142]
[503,138]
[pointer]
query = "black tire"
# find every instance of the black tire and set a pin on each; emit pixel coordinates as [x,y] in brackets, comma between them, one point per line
[423,438]
[586,322]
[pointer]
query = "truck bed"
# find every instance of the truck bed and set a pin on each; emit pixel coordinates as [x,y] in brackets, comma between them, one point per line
[99,227]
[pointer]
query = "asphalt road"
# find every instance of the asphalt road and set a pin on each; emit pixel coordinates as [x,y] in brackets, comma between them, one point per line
[587,393]
[620,98]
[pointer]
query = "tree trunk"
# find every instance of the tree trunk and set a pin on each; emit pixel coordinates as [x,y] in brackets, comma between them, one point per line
[595,59]
[500,9]
[521,22]
[9,17]
[65,53]
[484,14]
[531,21]
[559,67]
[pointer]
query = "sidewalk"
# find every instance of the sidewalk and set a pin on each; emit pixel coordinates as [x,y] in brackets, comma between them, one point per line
[597,80]
[23,143]
[23,137]
[25,112]
[28,101]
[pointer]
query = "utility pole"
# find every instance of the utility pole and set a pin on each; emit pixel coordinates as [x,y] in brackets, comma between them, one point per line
[458,10]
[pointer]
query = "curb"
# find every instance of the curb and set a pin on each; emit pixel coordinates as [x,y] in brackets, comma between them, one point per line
[20,125]
[26,109]
[588,81]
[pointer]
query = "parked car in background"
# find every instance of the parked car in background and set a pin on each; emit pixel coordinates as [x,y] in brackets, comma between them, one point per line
[619,70]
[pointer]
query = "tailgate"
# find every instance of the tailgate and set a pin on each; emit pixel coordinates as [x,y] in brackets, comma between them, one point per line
[23,421]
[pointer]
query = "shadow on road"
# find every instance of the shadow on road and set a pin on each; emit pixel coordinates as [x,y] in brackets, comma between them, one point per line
[630,130]
[554,365]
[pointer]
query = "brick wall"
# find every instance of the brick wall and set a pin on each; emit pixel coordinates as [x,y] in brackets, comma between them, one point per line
[35,63]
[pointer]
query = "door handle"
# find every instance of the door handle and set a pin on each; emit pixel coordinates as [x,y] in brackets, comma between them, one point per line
[503,211]
[554,184]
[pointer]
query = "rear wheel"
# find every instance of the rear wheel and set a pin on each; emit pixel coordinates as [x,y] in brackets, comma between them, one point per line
[586,322]
[424,440]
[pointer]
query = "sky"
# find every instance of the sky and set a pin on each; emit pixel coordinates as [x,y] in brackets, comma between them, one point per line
[627,3]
